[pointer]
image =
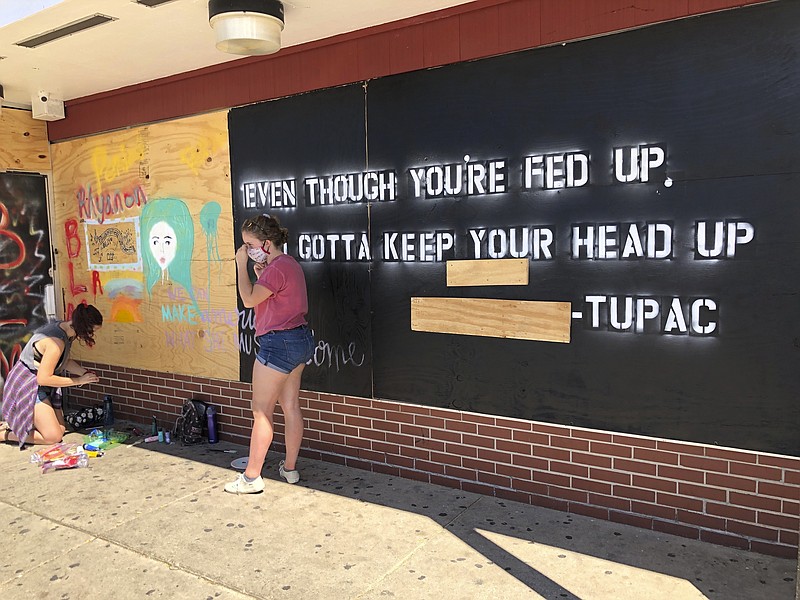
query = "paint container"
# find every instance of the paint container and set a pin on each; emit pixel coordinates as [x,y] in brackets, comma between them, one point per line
[160,435]
[154,427]
[167,437]
[152,438]
[211,415]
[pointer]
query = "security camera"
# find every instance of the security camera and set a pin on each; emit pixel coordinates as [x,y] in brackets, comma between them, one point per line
[46,107]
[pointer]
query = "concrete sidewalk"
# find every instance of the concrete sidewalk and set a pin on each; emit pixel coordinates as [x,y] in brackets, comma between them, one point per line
[151,521]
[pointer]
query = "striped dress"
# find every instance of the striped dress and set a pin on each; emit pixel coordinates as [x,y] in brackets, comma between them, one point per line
[21,388]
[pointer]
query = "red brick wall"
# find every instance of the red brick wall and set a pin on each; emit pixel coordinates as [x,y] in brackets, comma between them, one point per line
[725,496]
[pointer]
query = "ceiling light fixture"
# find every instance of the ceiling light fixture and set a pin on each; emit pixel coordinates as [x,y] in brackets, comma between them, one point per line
[152,3]
[65,30]
[247,26]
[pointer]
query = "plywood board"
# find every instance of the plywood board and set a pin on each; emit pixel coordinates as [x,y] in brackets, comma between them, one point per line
[169,304]
[517,319]
[505,271]
[23,142]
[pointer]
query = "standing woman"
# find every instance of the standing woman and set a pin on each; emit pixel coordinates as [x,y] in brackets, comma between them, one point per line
[285,344]
[31,398]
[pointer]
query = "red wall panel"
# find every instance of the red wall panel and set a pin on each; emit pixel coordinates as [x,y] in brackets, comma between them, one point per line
[440,42]
[652,11]
[583,18]
[406,50]
[479,33]
[518,25]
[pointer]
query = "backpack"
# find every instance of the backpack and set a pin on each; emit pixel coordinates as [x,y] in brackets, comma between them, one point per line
[84,418]
[190,425]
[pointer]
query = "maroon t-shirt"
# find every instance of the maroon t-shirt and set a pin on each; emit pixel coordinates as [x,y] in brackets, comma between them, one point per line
[288,305]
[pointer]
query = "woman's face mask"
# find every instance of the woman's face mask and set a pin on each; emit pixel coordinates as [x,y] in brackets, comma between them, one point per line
[258,255]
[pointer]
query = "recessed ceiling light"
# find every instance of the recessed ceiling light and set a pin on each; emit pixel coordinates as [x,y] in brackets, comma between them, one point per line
[152,3]
[65,30]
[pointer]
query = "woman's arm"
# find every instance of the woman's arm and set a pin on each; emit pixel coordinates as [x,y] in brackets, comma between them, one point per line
[250,294]
[51,349]
[74,368]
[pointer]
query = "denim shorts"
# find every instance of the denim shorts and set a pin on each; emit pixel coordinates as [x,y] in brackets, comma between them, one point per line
[285,350]
[48,393]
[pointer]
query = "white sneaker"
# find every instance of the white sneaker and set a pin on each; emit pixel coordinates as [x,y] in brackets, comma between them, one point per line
[241,486]
[289,476]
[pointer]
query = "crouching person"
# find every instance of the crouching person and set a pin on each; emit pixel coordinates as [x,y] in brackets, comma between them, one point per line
[31,396]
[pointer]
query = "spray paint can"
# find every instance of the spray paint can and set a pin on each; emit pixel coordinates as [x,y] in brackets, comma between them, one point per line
[167,437]
[161,435]
[211,416]
[154,427]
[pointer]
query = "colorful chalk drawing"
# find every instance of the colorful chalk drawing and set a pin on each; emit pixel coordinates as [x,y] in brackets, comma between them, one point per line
[126,297]
[113,245]
[168,231]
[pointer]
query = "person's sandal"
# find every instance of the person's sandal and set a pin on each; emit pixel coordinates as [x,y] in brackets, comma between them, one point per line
[290,476]
[5,429]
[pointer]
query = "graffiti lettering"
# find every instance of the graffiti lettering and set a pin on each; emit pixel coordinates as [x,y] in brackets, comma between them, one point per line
[213,342]
[336,355]
[195,157]
[107,166]
[245,343]
[15,240]
[99,206]
[73,288]
[96,283]
[179,294]
[179,339]
[73,241]
[179,313]
[247,320]
[220,316]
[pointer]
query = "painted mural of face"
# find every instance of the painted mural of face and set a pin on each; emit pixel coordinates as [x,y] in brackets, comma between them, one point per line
[163,244]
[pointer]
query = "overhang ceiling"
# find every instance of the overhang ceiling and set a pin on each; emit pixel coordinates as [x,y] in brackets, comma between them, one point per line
[143,43]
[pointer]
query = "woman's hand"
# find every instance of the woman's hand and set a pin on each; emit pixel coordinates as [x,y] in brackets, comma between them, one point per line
[87,377]
[257,268]
[241,256]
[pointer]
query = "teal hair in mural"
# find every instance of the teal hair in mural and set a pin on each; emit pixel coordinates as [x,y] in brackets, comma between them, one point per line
[209,216]
[168,235]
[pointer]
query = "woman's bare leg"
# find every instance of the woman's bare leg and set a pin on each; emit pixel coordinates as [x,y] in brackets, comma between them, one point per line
[47,429]
[267,383]
[293,417]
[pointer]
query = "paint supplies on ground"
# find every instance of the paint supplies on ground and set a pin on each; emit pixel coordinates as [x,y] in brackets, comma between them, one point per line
[99,439]
[68,462]
[60,456]
[54,452]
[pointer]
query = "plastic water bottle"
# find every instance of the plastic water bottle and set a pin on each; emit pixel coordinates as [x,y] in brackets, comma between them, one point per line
[211,415]
[108,416]
[108,412]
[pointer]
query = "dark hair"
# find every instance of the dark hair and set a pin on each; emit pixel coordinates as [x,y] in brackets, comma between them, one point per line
[85,318]
[266,227]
